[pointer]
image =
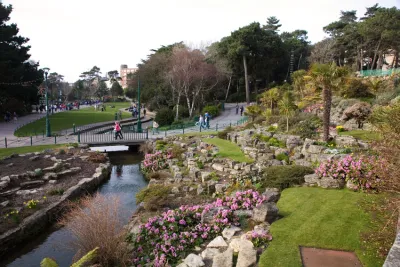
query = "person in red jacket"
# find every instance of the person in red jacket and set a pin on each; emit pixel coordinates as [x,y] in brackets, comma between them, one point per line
[118,130]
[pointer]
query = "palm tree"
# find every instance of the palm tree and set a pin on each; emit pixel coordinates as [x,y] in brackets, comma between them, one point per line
[270,97]
[287,107]
[328,77]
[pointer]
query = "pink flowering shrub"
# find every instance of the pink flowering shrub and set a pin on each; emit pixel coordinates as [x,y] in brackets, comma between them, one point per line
[155,162]
[258,238]
[361,171]
[164,239]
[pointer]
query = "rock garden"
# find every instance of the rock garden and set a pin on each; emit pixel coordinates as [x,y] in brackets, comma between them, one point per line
[35,187]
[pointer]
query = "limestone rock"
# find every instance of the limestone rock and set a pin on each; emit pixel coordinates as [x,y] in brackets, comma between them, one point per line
[243,213]
[247,257]
[205,176]
[175,190]
[34,158]
[52,181]
[220,188]
[223,259]
[218,167]
[5,178]
[182,265]
[329,182]
[50,175]
[10,165]
[200,189]
[229,232]
[311,179]
[272,194]
[345,140]
[193,260]
[265,212]
[351,185]
[3,184]
[262,228]
[217,242]
[239,244]
[4,203]
[209,253]
[32,184]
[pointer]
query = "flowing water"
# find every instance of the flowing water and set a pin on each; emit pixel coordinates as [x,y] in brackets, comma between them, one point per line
[125,181]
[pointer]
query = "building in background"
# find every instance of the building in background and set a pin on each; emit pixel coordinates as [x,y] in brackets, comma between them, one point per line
[124,71]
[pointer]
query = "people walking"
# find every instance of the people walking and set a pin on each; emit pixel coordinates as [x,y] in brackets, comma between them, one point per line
[118,130]
[144,112]
[241,110]
[207,120]
[201,121]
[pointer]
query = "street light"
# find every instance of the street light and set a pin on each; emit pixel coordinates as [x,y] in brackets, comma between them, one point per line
[48,131]
[139,123]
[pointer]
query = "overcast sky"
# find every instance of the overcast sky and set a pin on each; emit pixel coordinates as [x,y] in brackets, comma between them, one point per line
[71,36]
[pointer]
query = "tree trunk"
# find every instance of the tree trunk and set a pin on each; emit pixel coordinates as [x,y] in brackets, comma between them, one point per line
[177,107]
[379,61]
[375,54]
[256,89]
[327,97]
[298,65]
[229,86]
[246,80]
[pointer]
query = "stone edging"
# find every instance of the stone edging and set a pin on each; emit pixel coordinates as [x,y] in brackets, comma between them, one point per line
[34,224]
[393,258]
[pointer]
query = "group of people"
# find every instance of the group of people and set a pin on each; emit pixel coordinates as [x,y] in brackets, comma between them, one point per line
[56,107]
[135,111]
[8,117]
[204,122]
[239,108]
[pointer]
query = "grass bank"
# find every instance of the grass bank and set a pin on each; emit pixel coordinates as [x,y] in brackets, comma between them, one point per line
[5,152]
[228,149]
[65,120]
[322,218]
[362,135]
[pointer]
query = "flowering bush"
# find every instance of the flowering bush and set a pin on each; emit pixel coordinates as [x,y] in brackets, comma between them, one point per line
[14,215]
[258,238]
[166,238]
[155,162]
[361,171]
[340,128]
[31,204]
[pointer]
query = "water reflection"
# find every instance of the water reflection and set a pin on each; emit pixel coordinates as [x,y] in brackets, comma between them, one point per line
[125,181]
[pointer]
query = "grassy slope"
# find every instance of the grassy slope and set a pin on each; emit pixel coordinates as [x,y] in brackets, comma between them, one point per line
[321,218]
[362,135]
[65,120]
[228,149]
[4,152]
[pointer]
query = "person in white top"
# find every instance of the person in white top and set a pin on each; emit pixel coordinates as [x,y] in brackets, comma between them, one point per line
[155,127]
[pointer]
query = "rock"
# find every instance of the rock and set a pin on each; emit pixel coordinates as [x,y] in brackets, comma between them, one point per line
[329,182]
[209,253]
[182,265]
[34,158]
[46,156]
[239,244]
[5,178]
[220,188]
[262,228]
[4,203]
[265,212]
[26,192]
[351,185]
[243,213]
[3,184]
[247,257]
[311,179]
[223,259]
[54,159]
[200,189]
[52,181]
[49,175]
[293,141]
[205,176]
[175,190]
[69,171]
[84,157]
[217,242]
[10,165]
[229,232]
[314,149]
[345,140]
[272,194]
[193,260]
[56,167]
[218,167]
[9,192]
[32,184]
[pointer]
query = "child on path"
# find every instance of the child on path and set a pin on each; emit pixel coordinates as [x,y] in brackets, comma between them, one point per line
[155,127]
[118,130]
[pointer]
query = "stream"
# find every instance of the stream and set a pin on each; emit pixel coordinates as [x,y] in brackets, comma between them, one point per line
[125,181]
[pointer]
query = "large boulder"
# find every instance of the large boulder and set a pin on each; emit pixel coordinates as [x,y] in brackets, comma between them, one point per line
[247,257]
[217,242]
[223,259]
[218,167]
[346,140]
[229,232]
[193,260]
[272,194]
[330,182]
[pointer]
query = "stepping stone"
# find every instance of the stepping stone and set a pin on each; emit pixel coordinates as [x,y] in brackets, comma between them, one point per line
[316,257]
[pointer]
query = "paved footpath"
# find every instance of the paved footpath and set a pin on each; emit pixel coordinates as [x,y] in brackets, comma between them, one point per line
[227,118]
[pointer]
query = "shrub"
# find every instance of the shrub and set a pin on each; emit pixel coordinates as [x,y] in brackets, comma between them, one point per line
[183,112]
[146,148]
[56,191]
[282,156]
[161,145]
[97,157]
[359,111]
[153,196]
[275,142]
[200,165]
[176,151]
[164,116]
[355,88]
[95,222]
[285,176]
[253,111]
[361,171]
[213,111]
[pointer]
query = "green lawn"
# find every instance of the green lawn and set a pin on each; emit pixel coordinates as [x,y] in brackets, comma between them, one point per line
[362,135]
[4,152]
[65,120]
[198,133]
[317,217]
[228,149]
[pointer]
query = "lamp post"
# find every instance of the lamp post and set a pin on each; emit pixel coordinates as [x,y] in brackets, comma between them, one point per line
[139,123]
[48,130]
